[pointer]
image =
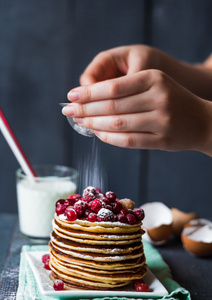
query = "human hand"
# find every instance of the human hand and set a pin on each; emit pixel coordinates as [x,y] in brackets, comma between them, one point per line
[145,110]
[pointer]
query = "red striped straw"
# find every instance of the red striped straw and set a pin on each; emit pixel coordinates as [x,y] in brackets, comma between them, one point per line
[15,146]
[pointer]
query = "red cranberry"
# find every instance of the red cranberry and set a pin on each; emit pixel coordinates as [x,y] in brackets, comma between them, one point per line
[99,190]
[75,197]
[105,215]
[58,285]
[45,257]
[80,206]
[131,219]
[60,201]
[92,217]
[105,200]
[141,287]
[89,193]
[124,211]
[121,218]
[117,206]
[87,212]
[109,207]
[60,208]
[111,196]
[96,205]
[69,202]
[71,213]
[46,265]
[139,213]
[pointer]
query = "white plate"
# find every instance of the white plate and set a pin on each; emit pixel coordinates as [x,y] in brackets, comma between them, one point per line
[45,284]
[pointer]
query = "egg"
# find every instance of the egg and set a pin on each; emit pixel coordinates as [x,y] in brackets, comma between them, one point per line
[197,237]
[157,222]
[180,218]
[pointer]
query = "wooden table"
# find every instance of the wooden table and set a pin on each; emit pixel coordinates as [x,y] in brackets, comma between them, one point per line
[195,274]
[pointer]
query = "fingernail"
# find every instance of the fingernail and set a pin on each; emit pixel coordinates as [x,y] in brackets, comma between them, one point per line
[79,120]
[73,95]
[68,110]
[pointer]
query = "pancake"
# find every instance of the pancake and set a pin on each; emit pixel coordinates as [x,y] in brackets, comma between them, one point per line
[95,243]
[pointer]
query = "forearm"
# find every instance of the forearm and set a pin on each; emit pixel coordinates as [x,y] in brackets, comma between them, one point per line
[197,78]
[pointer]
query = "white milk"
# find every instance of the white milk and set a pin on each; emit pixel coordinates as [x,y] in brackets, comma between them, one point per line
[36,204]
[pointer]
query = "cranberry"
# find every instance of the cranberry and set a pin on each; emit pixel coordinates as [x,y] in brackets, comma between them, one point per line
[136,281]
[105,215]
[124,211]
[139,213]
[131,219]
[46,265]
[69,202]
[75,197]
[105,200]
[117,206]
[121,218]
[141,287]
[111,196]
[60,201]
[92,217]
[109,207]
[60,208]
[87,212]
[58,285]
[71,213]
[45,257]
[89,193]
[80,206]
[96,205]
[99,190]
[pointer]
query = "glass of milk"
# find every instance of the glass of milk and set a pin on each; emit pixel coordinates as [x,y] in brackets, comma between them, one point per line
[37,197]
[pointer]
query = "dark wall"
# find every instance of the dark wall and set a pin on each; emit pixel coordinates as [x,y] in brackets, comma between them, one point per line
[46,44]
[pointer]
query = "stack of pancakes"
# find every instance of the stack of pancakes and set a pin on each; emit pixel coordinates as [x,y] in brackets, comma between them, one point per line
[96,255]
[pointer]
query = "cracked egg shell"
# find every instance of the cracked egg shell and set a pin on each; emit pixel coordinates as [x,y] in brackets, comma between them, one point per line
[157,222]
[197,237]
[181,218]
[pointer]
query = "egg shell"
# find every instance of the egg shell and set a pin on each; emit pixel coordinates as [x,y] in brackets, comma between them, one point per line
[181,218]
[157,222]
[197,237]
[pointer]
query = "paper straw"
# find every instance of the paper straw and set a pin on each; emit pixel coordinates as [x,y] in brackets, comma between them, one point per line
[15,146]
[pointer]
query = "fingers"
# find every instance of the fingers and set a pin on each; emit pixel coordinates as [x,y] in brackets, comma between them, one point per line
[114,88]
[130,140]
[138,122]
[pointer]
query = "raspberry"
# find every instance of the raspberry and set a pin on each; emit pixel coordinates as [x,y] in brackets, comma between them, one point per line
[105,215]
[121,218]
[58,285]
[60,208]
[96,205]
[139,213]
[111,196]
[60,201]
[80,206]
[46,265]
[75,197]
[141,287]
[131,219]
[71,213]
[45,257]
[124,211]
[92,217]
[117,206]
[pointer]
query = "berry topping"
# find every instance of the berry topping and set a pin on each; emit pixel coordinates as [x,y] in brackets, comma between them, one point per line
[92,217]
[124,211]
[58,285]
[60,201]
[141,287]
[96,205]
[127,203]
[121,218]
[131,219]
[71,213]
[80,206]
[89,193]
[75,197]
[60,208]
[117,206]
[69,202]
[45,257]
[105,214]
[111,196]
[139,213]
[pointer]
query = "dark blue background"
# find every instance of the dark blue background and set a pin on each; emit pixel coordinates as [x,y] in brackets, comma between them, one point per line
[44,47]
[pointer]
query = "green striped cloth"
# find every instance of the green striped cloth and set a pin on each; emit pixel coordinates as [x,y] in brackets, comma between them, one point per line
[28,289]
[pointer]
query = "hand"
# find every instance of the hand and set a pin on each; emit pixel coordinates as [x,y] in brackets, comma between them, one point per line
[144,110]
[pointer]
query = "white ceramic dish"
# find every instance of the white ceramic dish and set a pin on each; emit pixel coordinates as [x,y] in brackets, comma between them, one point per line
[45,284]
